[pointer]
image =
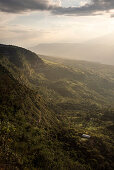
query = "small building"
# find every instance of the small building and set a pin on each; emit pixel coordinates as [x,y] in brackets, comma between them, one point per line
[85,136]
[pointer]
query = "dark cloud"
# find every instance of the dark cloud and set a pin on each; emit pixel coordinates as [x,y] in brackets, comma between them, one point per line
[17,6]
[92,8]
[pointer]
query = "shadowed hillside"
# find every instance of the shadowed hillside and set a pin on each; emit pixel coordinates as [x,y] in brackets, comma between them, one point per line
[25,121]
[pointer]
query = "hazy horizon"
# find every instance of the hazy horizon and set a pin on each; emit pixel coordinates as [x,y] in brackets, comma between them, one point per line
[96,50]
[29,23]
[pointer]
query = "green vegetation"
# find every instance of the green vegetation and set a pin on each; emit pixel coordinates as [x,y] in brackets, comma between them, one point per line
[45,107]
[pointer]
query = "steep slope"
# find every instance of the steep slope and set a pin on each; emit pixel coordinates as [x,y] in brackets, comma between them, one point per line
[21,97]
[25,121]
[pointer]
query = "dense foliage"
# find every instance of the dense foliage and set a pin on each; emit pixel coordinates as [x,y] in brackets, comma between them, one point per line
[45,107]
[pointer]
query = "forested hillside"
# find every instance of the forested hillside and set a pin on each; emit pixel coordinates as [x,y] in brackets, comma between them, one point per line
[45,107]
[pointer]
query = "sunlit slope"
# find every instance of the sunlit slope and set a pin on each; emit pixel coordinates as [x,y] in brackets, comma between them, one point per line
[87,81]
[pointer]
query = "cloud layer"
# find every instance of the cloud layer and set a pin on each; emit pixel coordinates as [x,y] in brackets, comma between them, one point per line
[92,8]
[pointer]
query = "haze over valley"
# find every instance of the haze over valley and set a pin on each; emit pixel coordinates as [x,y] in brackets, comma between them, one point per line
[97,50]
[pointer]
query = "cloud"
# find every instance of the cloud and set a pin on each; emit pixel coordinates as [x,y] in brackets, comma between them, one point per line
[17,6]
[90,8]
[22,35]
[4,18]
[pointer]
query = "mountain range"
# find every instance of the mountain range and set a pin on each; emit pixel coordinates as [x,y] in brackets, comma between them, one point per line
[47,104]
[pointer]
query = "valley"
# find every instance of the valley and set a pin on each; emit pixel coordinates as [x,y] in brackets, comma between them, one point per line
[46,104]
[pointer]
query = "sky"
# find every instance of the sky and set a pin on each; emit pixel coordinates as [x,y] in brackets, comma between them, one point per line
[28,23]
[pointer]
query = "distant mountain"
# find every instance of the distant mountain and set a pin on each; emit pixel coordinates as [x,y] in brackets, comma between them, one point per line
[97,50]
[104,40]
